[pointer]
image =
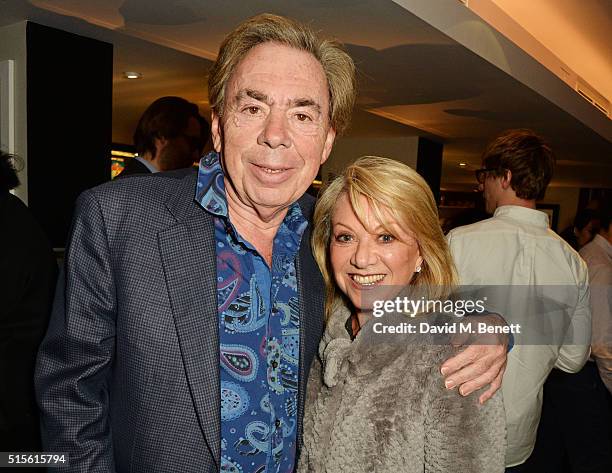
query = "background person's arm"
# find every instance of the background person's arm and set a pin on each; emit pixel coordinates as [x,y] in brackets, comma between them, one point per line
[75,358]
[574,353]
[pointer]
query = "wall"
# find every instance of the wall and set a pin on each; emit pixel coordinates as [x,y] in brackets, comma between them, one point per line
[348,149]
[567,198]
[69,122]
[13,46]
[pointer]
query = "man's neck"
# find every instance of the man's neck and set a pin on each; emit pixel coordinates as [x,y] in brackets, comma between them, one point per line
[147,156]
[514,200]
[257,226]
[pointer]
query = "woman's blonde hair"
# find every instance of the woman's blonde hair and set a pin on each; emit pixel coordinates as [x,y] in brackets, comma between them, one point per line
[390,189]
[337,64]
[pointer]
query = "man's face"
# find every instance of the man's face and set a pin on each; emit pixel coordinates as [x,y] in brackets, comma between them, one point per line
[181,151]
[275,131]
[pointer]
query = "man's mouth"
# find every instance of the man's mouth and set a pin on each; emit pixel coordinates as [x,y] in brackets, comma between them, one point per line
[270,170]
[367,280]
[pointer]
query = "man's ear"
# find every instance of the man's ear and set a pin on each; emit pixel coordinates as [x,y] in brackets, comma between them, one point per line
[160,143]
[329,143]
[506,180]
[216,131]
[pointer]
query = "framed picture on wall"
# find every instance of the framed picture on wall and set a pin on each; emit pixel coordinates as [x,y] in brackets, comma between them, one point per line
[7,106]
[552,210]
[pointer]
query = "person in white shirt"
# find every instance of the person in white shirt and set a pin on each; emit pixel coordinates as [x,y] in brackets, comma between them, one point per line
[577,409]
[516,251]
[598,257]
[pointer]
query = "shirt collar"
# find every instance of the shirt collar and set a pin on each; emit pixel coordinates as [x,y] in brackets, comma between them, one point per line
[148,164]
[523,214]
[210,194]
[603,244]
[210,190]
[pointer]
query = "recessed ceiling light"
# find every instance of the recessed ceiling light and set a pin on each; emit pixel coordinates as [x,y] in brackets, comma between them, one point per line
[463,165]
[132,75]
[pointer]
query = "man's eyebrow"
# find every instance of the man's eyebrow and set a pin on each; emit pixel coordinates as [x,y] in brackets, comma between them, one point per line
[261,97]
[306,102]
[254,94]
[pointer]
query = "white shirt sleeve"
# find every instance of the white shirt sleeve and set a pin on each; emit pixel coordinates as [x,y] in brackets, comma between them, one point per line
[575,352]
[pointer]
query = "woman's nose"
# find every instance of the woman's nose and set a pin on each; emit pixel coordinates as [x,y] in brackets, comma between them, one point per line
[364,255]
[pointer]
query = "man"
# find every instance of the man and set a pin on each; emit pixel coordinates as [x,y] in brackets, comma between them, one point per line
[516,248]
[575,431]
[598,256]
[184,329]
[171,134]
[28,273]
[579,406]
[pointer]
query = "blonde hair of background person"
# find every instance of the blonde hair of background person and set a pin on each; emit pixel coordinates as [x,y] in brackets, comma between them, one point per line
[401,192]
[338,66]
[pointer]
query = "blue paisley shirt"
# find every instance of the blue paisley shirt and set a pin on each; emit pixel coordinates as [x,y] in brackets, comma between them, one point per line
[258,336]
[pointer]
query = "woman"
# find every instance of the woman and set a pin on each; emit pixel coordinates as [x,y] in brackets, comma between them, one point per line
[378,403]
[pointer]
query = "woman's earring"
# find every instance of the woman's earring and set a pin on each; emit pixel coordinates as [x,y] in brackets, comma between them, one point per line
[418,269]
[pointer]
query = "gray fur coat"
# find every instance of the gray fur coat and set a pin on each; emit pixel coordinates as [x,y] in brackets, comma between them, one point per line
[378,404]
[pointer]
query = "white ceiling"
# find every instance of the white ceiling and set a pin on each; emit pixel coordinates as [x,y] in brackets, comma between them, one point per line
[578,32]
[413,79]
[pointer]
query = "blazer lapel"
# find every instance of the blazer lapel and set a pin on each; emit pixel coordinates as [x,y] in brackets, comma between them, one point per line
[189,259]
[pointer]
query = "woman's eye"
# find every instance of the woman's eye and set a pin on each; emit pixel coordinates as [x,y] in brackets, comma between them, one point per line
[386,238]
[343,238]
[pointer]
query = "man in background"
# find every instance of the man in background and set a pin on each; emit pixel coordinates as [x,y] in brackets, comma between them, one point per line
[171,134]
[28,273]
[598,257]
[516,251]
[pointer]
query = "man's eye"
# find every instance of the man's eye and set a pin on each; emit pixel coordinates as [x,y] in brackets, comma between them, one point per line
[343,238]
[386,238]
[302,117]
[252,110]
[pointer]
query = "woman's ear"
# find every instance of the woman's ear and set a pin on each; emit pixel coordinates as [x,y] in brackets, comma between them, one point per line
[418,264]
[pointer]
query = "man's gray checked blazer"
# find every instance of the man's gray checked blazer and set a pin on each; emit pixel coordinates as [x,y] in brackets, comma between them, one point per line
[128,374]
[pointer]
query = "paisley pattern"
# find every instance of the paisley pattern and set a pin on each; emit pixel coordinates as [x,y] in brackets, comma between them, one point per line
[258,334]
[234,400]
[240,361]
[247,312]
[228,466]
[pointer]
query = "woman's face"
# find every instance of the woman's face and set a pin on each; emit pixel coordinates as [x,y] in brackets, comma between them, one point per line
[368,258]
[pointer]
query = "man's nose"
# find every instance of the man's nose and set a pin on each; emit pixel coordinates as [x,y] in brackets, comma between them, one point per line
[275,132]
[364,255]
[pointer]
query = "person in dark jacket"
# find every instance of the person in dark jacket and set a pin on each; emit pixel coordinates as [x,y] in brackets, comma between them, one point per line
[171,134]
[27,282]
